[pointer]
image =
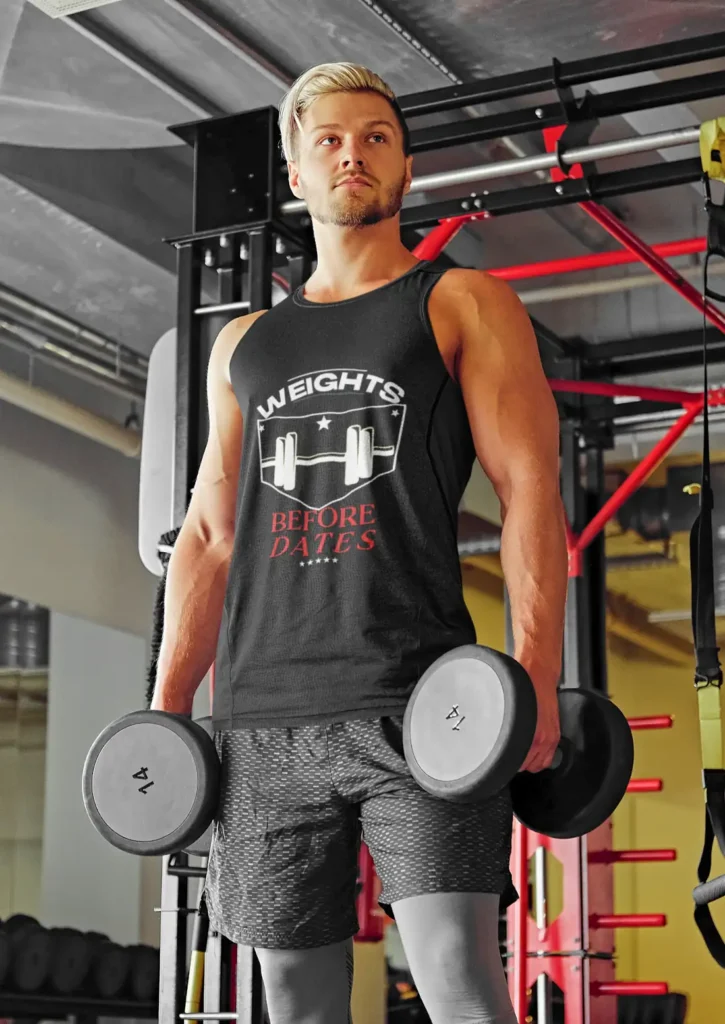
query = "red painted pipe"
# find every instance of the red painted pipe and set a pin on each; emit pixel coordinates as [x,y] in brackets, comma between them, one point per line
[631,856]
[627,921]
[638,475]
[644,786]
[629,988]
[438,237]
[548,268]
[650,258]
[370,917]
[591,387]
[520,875]
[651,722]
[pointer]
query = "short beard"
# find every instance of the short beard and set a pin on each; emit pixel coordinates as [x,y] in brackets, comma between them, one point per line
[344,213]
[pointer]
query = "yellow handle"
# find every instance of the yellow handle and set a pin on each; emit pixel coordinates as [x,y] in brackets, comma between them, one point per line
[712,147]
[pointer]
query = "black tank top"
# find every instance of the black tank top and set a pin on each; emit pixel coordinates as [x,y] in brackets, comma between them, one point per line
[344,582]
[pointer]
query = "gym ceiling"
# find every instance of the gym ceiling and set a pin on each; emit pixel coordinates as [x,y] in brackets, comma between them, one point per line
[92,181]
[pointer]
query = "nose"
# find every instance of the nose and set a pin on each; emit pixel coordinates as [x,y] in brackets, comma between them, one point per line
[351,157]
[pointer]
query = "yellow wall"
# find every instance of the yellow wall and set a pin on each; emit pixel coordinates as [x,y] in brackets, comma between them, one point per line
[673,818]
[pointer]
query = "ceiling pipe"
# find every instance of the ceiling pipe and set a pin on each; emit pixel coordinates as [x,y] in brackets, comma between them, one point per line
[38,317]
[46,351]
[72,417]
[560,293]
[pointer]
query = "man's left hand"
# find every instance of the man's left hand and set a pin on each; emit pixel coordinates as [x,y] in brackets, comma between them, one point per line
[547,735]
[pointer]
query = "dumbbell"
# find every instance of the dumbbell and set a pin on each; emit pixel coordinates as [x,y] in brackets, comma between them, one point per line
[469,725]
[151,782]
[358,458]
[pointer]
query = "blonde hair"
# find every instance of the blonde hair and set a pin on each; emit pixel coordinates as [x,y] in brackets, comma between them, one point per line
[322,80]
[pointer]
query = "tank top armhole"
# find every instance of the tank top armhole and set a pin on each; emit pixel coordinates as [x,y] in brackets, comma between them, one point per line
[238,345]
[429,282]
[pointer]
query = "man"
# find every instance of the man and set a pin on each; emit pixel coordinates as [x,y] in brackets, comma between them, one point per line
[317,565]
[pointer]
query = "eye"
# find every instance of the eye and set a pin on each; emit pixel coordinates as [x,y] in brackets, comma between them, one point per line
[378,135]
[326,137]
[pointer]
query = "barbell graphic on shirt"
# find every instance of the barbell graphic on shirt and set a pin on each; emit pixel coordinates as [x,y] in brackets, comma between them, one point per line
[357,457]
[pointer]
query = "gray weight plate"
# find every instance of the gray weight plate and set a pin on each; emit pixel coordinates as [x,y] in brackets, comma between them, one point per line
[150,782]
[469,724]
[144,782]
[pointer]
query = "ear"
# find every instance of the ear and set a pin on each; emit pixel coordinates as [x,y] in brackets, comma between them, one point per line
[294,179]
[408,174]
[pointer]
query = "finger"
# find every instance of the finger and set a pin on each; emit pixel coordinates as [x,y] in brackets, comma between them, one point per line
[531,761]
[538,759]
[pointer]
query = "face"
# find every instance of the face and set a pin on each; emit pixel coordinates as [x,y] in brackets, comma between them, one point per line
[346,136]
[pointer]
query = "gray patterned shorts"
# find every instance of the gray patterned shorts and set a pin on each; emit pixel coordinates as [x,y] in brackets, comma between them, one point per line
[294,803]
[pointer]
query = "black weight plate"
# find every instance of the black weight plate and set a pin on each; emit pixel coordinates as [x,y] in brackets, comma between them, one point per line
[71,960]
[31,961]
[144,974]
[469,724]
[5,955]
[584,790]
[109,973]
[201,846]
[20,925]
[151,782]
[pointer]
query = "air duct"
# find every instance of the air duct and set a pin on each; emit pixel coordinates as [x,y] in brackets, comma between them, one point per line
[65,414]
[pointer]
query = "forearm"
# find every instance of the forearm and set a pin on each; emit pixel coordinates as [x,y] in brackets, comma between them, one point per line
[534,562]
[194,601]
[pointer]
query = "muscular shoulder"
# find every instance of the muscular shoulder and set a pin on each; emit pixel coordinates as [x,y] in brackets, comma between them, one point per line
[479,303]
[227,340]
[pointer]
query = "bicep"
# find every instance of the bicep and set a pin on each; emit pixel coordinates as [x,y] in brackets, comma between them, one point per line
[511,408]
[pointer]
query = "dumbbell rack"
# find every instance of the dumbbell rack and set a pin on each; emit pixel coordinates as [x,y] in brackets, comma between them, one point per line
[576,950]
[17,1006]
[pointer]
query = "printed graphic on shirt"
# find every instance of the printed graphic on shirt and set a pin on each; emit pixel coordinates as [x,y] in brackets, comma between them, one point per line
[322,458]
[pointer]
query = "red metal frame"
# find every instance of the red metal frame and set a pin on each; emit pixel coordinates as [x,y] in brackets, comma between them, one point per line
[651,722]
[692,403]
[553,268]
[586,924]
[645,786]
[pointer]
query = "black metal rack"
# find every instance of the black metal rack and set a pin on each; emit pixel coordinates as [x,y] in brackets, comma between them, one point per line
[241,233]
[15,1005]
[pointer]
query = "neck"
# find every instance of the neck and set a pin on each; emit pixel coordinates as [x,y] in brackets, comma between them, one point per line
[349,260]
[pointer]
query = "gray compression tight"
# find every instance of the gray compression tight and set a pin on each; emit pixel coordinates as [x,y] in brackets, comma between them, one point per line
[451,945]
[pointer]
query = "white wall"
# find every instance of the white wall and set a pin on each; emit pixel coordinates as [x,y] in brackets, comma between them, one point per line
[96,675]
[68,541]
[68,525]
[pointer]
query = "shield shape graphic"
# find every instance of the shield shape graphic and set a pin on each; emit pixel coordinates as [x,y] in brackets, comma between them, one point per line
[323,457]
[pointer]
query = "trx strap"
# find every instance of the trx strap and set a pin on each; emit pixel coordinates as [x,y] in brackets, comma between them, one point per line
[708,673]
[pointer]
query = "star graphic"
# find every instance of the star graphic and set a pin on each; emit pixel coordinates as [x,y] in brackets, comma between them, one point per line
[324,423]
[318,560]
[302,563]
[396,412]
[310,562]
[261,427]
[327,559]
[334,559]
